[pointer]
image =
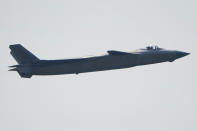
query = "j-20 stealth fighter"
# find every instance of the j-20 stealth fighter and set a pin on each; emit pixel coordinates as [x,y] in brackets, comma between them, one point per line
[29,64]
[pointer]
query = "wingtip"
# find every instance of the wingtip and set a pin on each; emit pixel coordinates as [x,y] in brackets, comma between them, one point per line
[14,69]
[13,66]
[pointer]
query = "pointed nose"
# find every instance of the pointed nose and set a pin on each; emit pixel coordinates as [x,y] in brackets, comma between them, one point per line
[182,54]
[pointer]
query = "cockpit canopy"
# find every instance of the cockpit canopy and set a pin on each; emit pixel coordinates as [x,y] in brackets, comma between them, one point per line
[153,48]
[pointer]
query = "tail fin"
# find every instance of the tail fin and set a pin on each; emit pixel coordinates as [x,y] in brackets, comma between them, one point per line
[22,55]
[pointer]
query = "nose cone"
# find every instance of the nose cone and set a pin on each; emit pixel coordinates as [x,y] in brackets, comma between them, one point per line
[180,54]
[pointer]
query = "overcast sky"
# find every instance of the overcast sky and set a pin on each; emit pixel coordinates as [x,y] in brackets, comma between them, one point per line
[160,97]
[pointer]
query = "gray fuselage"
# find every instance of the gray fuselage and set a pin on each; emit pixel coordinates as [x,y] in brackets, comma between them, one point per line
[100,63]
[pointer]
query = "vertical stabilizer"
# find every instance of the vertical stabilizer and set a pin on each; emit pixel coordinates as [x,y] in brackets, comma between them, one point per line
[22,55]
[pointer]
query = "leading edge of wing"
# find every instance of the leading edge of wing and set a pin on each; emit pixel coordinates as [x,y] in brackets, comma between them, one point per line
[114,52]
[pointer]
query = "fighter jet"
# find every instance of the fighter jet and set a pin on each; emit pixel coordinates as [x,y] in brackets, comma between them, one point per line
[29,64]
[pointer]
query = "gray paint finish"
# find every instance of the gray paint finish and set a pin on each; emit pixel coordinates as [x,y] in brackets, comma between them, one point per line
[30,65]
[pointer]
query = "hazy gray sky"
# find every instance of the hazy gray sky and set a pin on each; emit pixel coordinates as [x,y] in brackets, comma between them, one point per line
[159,97]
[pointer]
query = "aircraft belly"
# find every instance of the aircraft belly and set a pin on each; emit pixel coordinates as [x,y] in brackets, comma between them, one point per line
[152,59]
[54,69]
[88,65]
[108,63]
